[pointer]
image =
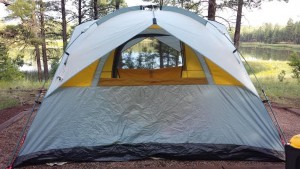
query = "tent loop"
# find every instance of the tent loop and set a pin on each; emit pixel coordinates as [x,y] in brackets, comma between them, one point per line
[66,61]
[59,78]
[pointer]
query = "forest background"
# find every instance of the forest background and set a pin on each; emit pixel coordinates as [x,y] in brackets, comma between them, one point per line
[35,33]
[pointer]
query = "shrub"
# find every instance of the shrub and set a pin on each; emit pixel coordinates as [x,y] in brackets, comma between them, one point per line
[281,76]
[9,67]
[295,64]
[54,66]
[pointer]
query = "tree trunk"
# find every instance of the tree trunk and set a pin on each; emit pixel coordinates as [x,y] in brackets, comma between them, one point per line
[238,24]
[64,23]
[95,9]
[212,10]
[34,29]
[161,59]
[38,61]
[44,48]
[79,12]
[161,2]
[117,4]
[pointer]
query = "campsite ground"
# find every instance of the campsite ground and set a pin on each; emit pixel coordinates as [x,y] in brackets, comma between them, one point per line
[288,119]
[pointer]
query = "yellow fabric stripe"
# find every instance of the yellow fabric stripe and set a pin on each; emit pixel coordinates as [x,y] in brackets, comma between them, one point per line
[220,76]
[193,67]
[163,73]
[107,68]
[83,78]
[149,82]
[154,26]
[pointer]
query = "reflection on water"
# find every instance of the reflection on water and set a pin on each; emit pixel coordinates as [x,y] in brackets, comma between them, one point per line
[150,54]
[266,53]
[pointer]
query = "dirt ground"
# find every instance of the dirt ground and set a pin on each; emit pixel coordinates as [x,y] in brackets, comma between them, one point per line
[287,117]
[6,114]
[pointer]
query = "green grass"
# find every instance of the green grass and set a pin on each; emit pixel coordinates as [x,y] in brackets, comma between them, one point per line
[267,73]
[20,92]
[6,101]
[22,85]
[279,46]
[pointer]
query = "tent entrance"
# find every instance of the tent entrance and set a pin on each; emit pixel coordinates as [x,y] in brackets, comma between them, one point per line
[150,61]
[153,57]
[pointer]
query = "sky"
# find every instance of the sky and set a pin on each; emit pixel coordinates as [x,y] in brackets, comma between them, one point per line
[271,12]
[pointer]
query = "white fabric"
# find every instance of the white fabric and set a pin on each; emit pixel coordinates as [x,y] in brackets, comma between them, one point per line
[99,40]
[80,29]
[207,41]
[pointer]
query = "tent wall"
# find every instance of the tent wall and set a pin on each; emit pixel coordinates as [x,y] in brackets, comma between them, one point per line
[195,117]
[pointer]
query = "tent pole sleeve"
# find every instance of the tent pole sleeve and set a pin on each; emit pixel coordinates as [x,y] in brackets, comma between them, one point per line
[100,66]
[205,68]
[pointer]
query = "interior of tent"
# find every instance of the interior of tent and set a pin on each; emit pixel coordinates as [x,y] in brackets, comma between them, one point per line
[153,57]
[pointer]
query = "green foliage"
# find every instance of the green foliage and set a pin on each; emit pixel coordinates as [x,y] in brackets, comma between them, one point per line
[9,67]
[281,76]
[22,9]
[269,33]
[54,66]
[151,55]
[295,64]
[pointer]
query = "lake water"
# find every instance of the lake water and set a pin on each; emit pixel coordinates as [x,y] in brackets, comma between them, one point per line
[247,52]
[266,53]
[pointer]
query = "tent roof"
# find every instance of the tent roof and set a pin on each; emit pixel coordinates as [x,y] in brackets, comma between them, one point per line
[92,40]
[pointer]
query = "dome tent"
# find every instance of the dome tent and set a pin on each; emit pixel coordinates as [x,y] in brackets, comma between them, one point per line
[97,110]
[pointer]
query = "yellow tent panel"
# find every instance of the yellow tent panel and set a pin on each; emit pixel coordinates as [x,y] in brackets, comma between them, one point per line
[193,67]
[83,78]
[154,26]
[107,68]
[220,76]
